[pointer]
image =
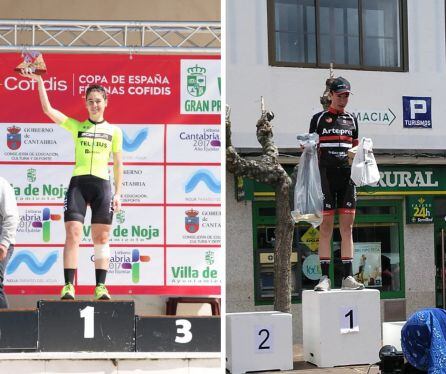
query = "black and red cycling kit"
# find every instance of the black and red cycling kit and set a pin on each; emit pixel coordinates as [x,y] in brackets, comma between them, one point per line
[338,132]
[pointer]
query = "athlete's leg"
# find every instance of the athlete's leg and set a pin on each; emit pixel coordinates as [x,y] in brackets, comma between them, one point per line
[75,207]
[326,227]
[325,234]
[100,234]
[101,220]
[347,206]
[73,234]
[73,230]
[345,228]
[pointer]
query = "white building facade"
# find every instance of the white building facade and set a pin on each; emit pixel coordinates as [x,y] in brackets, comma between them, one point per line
[393,53]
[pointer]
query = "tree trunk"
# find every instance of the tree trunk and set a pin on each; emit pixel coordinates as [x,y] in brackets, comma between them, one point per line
[268,170]
[283,249]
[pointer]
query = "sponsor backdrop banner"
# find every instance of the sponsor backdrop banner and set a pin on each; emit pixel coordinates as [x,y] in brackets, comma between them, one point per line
[166,239]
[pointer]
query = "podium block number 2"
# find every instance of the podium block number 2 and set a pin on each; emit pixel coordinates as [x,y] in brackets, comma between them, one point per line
[349,319]
[88,315]
[263,339]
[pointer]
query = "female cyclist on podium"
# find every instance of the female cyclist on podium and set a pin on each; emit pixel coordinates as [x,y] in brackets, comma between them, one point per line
[95,139]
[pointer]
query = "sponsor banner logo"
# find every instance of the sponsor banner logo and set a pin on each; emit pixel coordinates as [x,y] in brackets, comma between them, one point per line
[142,184]
[142,143]
[129,227]
[192,221]
[36,266]
[198,267]
[39,183]
[193,184]
[128,266]
[196,225]
[35,142]
[200,87]
[40,225]
[193,143]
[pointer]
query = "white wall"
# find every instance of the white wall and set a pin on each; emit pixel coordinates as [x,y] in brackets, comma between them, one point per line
[293,93]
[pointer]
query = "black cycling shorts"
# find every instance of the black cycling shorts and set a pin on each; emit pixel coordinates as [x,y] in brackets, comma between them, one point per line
[89,190]
[339,190]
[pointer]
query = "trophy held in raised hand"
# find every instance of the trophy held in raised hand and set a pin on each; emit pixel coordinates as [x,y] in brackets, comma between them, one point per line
[32,63]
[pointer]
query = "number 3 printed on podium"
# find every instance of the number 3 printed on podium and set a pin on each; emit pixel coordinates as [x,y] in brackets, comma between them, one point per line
[184,329]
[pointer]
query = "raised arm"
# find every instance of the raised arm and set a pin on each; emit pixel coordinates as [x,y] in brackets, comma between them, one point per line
[54,114]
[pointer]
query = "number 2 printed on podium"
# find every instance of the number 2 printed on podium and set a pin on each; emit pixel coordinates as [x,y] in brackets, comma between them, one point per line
[263,337]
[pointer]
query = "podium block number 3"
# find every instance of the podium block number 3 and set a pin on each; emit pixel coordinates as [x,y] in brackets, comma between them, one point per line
[263,339]
[349,319]
[88,315]
[184,327]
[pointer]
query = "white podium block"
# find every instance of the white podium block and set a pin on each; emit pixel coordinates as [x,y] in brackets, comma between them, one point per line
[259,341]
[341,327]
[392,333]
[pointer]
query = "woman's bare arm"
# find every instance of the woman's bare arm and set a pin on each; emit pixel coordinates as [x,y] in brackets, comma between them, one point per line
[55,115]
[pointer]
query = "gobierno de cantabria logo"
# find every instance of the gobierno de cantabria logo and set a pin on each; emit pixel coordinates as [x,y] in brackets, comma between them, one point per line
[13,138]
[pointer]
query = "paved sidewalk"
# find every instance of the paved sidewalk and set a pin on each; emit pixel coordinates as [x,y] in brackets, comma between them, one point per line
[302,367]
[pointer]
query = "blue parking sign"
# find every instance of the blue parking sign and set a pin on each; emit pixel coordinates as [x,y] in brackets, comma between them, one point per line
[417,112]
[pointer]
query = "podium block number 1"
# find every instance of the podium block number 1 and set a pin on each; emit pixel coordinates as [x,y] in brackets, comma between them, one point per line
[263,339]
[88,315]
[349,320]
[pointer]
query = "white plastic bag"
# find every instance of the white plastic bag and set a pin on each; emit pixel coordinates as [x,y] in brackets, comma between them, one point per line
[364,168]
[308,196]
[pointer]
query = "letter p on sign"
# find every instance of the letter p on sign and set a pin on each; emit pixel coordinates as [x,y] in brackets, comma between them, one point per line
[417,107]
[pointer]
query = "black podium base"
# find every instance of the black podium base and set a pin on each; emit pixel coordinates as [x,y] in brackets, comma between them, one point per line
[18,330]
[104,326]
[89,326]
[178,334]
